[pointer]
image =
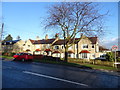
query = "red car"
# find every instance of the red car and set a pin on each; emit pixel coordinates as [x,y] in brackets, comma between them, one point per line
[23,56]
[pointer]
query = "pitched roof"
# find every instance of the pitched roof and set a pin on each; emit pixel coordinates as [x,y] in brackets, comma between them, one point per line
[32,41]
[44,41]
[11,42]
[93,39]
[103,48]
[61,41]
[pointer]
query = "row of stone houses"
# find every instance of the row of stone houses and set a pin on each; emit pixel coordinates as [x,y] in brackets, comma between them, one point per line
[83,48]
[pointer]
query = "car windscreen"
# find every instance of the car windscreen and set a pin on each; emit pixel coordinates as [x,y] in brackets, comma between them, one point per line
[29,54]
[17,54]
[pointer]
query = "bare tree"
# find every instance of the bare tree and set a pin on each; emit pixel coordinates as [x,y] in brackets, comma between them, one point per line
[74,18]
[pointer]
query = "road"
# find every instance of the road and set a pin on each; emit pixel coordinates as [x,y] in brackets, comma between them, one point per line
[38,75]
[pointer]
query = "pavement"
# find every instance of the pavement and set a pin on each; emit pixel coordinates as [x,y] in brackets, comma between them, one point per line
[40,75]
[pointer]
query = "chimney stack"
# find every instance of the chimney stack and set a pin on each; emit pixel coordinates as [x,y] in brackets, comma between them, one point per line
[46,37]
[37,38]
[56,35]
[81,34]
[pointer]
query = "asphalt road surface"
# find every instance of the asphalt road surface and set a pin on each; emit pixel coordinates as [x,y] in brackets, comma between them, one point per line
[38,75]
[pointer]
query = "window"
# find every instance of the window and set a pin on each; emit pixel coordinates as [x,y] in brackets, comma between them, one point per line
[69,55]
[23,44]
[28,45]
[102,56]
[85,46]
[84,55]
[92,46]
[62,47]
[56,47]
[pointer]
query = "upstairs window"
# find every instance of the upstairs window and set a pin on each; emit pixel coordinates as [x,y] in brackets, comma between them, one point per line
[62,47]
[56,47]
[92,46]
[69,55]
[28,45]
[85,46]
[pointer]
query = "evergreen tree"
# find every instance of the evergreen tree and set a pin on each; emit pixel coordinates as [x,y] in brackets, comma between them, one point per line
[8,38]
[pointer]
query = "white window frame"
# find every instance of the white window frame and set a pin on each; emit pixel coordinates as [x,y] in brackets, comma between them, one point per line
[69,54]
[56,47]
[62,47]
[84,45]
[92,46]
[84,55]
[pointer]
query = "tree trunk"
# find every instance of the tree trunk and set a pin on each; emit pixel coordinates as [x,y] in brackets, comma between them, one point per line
[66,55]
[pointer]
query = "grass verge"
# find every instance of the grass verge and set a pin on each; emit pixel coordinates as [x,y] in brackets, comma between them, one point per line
[99,67]
[81,65]
[7,57]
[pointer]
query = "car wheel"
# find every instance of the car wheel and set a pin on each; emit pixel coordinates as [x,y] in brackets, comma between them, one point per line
[23,59]
[14,59]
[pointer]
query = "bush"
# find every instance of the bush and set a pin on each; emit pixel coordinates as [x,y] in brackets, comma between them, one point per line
[8,54]
[110,56]
[118,59]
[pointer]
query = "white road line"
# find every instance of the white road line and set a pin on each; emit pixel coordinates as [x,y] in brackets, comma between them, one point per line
[41,75]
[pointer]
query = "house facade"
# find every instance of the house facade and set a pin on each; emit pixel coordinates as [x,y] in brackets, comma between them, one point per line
[13,46]
[83,47]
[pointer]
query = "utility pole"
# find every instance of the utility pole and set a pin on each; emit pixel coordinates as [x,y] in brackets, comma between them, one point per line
[1,38]
[1,32]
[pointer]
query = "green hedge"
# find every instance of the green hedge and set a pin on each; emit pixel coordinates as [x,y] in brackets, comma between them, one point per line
[96,62]
[8,54]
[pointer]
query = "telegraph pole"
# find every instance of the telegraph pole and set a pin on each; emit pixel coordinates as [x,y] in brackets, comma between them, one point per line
[1,32]
[1,38]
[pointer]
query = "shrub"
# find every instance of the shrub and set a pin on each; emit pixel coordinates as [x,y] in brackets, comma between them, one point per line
[110,56]
[118,59]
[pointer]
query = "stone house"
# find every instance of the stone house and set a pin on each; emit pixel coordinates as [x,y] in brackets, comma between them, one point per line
[13,46]
[83,47]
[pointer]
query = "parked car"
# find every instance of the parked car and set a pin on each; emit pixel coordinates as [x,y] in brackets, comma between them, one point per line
[23,56]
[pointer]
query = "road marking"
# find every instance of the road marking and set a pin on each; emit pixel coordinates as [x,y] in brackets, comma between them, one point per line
[41,75]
